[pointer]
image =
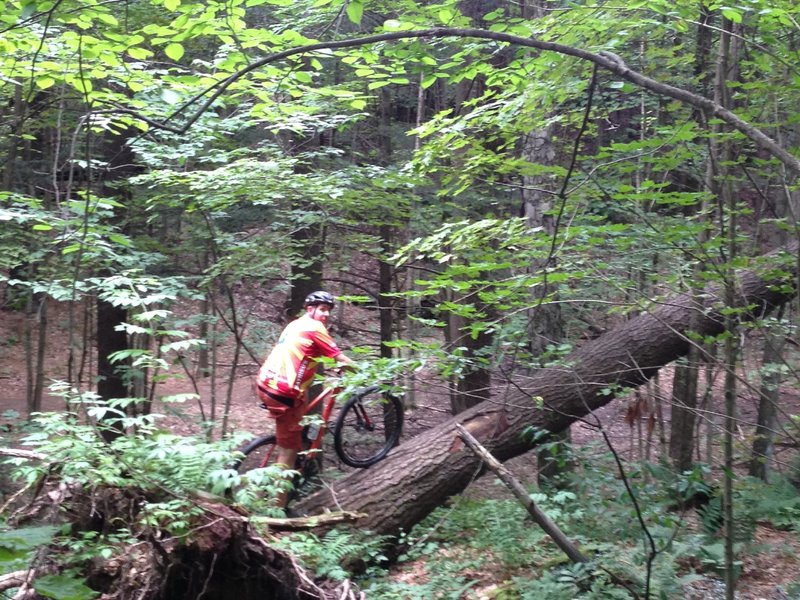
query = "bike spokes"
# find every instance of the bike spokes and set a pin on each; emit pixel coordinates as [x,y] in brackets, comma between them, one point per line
[368,427]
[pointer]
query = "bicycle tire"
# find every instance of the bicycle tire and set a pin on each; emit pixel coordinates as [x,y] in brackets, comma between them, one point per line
[263,452]
[368,427]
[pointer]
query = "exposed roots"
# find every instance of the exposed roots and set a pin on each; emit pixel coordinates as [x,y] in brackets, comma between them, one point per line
[220,557]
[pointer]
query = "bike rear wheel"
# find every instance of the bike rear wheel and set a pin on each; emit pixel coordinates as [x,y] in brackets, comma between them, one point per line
[368,426]
[263,452]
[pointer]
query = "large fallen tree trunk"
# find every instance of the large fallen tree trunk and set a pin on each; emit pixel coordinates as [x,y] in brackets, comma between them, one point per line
[422,473]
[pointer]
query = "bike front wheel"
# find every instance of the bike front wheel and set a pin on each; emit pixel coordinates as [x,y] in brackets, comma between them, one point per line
[369,425]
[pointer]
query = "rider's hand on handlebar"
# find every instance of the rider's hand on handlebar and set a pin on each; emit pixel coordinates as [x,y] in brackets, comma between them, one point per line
[339,370]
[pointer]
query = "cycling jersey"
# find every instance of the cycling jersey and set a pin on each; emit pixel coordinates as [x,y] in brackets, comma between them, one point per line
[290,367]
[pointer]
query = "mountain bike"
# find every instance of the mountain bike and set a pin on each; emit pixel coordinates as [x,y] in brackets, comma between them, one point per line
[367,427]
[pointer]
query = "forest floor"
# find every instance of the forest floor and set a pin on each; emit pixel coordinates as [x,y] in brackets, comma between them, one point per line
[764,575]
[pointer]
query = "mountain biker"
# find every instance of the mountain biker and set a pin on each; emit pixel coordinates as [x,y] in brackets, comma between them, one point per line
[289,370]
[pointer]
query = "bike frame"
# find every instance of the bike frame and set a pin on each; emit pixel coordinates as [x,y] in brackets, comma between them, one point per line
[328,396]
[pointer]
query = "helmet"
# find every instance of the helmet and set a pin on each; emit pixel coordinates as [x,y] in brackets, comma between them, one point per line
[320,297]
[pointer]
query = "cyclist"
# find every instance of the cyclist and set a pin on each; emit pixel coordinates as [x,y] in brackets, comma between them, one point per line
[288,371]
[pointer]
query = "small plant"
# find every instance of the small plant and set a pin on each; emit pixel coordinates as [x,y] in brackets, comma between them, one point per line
[338,555]
[143,485]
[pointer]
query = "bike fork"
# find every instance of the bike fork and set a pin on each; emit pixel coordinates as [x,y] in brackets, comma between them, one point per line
[363,421]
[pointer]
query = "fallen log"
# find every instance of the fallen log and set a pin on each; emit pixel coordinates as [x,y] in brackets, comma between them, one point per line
[423,472]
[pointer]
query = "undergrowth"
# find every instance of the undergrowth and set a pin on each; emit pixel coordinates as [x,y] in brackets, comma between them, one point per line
[472,548]
[144,485]
[491,549]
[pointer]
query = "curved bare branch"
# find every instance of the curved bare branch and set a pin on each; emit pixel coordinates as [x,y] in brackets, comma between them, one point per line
[606,60]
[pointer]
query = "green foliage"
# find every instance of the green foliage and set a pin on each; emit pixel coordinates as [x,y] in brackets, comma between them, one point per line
[165,468]
[388,373]
[17,545]
[454,545]
[17,548]
[776,503]
[149,460]
[338,554]
[63,586]
[324,142]
[577,581]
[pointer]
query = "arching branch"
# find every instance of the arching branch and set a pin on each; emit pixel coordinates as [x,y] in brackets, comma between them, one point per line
[606,60]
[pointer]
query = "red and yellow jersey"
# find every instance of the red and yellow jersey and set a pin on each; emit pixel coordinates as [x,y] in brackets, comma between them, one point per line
[290,367]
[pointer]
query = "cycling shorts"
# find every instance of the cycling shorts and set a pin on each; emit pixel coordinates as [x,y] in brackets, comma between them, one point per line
[287,413]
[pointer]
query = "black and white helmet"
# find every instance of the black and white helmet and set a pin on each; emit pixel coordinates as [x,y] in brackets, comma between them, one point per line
[320,297]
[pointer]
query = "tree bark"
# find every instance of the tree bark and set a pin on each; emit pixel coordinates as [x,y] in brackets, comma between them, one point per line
[764,441]
[684,411]
[307,275]
[110,383]
[422,473]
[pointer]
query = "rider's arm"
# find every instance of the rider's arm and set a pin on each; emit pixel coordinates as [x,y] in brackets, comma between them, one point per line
[344,361]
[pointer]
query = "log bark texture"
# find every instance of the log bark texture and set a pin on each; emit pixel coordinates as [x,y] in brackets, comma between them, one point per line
[423,472]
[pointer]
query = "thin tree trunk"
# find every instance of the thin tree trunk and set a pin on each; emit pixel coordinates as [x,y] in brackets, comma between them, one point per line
[110,339]
[764,440]
[41,347]
[683,420]
[684,411]
[385,313]
[30,370]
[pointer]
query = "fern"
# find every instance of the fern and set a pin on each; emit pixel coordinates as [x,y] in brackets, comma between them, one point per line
[711,515]
[338,554]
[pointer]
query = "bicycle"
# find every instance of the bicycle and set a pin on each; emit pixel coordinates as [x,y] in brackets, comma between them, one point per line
[367,428]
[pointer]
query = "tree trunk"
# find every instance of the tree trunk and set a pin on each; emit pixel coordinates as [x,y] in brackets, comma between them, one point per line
[422,473]
[473,386]
[685,382]
[684,411]
[545,323]
[306,275]
[35,402]
[385,313]
[764,440]
[110,383]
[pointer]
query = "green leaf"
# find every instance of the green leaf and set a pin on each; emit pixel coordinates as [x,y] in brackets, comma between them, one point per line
[139,53]
[732,15]
[63,587]
[358,104]
[174,51]
[170,96]
[45,82]
[108,19]
[42,227]
[303,76]
[27,538]
[355,10]
[428,81]
[172,4]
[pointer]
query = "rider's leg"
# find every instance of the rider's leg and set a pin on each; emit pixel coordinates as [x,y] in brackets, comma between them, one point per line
[289,435]
[288,431]
[286,459]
